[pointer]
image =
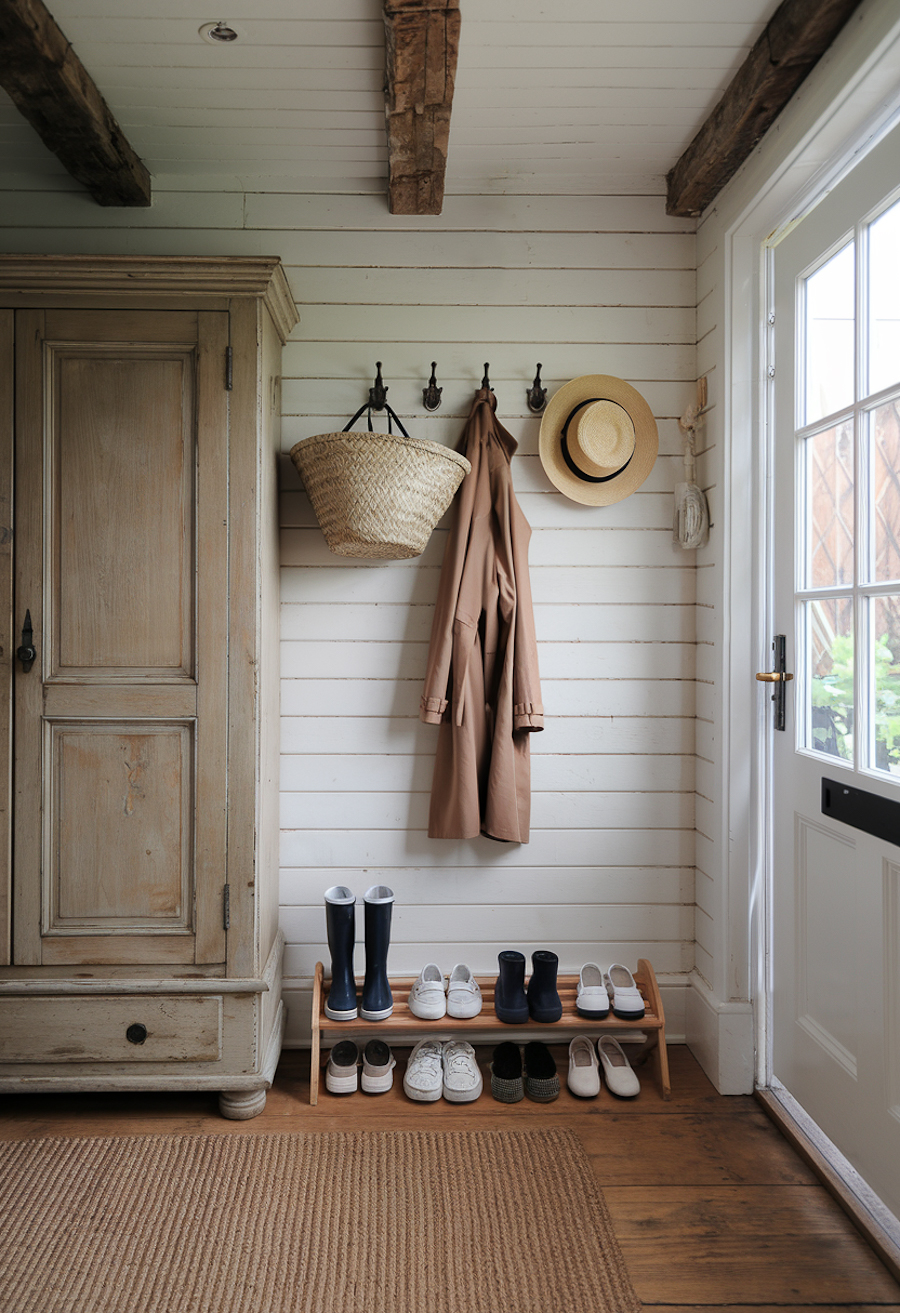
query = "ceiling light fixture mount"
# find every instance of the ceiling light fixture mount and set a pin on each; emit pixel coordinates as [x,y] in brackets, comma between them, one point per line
[219,33]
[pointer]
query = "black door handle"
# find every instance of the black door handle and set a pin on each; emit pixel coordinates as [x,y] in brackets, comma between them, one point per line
[27,652]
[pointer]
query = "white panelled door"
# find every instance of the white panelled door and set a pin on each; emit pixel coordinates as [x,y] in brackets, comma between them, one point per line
[835,947]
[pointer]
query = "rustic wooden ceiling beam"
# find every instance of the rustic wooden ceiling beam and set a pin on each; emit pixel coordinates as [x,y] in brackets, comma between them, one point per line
[54,91]
[421,49]
[796,37]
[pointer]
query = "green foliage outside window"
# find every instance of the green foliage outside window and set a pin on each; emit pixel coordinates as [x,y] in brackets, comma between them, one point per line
[832,703]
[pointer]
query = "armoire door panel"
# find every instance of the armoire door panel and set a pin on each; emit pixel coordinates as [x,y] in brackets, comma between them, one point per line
[120,507]
[120,763]
[119,855]
[7,364]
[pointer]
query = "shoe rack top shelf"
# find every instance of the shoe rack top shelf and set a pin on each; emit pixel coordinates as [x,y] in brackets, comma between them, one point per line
[401,1022]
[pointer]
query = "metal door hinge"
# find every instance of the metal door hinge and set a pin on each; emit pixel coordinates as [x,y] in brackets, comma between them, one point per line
[229,369]
[226,907]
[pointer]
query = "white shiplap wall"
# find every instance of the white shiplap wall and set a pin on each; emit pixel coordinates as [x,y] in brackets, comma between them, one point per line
[584,285]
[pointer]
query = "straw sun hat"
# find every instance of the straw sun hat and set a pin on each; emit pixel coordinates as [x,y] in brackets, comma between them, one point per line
[598,439]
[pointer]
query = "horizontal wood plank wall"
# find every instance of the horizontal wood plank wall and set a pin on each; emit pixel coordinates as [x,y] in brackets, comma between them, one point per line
[584,285]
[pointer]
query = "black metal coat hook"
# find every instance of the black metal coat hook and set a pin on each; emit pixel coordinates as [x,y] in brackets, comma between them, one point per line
[486,382]
[378,393]
[537,396]
[431,396]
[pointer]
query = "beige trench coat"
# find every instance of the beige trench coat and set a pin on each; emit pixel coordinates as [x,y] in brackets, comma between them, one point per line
[481,683]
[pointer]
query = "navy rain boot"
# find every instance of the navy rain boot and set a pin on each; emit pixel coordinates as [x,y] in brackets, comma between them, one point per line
[377,999]
[544,1002]
[510,1002]
[340,923]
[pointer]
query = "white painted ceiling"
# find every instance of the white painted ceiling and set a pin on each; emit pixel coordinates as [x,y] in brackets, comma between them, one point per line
[553,97]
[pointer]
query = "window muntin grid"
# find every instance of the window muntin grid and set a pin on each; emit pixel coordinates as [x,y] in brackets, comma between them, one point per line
[848,498]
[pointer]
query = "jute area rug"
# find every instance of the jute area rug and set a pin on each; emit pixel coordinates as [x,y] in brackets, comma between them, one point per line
[362,1222]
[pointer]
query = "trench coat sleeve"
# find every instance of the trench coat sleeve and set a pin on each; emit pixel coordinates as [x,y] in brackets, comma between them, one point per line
[528,710]
[482,685]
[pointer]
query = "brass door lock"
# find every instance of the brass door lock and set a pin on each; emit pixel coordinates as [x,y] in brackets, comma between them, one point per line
[779,677]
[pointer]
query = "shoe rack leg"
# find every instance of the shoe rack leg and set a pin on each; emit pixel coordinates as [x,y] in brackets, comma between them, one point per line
[660,1057]
[316,1037]
[662,1066]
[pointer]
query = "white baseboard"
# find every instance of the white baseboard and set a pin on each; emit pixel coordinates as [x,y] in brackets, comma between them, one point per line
[720,1036]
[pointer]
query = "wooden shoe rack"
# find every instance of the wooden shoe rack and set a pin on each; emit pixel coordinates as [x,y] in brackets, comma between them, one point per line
[402,1025]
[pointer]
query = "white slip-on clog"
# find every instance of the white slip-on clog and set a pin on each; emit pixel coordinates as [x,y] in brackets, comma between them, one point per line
[584,1068]
[617,1071]
[378,1065]
[462,1077]
[424,1077]
[591,998]
[626,997]
[427,998]
[463,993]
[342,1071]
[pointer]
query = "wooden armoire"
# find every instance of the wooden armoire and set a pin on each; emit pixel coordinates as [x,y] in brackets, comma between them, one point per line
[139,672]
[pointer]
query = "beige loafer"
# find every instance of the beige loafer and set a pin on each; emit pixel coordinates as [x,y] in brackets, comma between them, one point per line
[584,1068]
[617,1072]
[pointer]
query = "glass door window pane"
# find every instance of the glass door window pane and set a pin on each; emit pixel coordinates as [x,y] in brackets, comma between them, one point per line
[884,300]
[830,507]
[885,639]
[884,429]
[829,636]
[849,534]
[829,336]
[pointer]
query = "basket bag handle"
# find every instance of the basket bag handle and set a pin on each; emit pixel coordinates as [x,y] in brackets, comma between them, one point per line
[391,415]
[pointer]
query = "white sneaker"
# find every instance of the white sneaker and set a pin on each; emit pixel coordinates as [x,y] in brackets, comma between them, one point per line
[462,1077]
[463,993]
[424,1076]
[427,998]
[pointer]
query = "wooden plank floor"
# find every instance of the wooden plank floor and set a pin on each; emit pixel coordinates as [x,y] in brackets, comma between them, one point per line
[712,1207]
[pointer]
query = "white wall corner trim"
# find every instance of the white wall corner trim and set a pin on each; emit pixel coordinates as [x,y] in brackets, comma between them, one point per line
[720,1035]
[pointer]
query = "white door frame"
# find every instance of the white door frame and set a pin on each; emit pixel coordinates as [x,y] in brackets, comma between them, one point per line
[852,104]
[846,106]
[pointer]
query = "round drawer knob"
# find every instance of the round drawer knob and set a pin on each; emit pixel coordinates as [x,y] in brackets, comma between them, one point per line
[136,1034]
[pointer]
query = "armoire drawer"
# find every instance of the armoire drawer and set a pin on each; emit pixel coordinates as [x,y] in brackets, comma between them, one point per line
[140,1028]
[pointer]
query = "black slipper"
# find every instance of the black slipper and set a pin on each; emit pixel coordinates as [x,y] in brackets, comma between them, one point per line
[506,1073]
[541,1077]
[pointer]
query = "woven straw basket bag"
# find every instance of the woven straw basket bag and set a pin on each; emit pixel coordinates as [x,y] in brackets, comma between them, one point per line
[378,495]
